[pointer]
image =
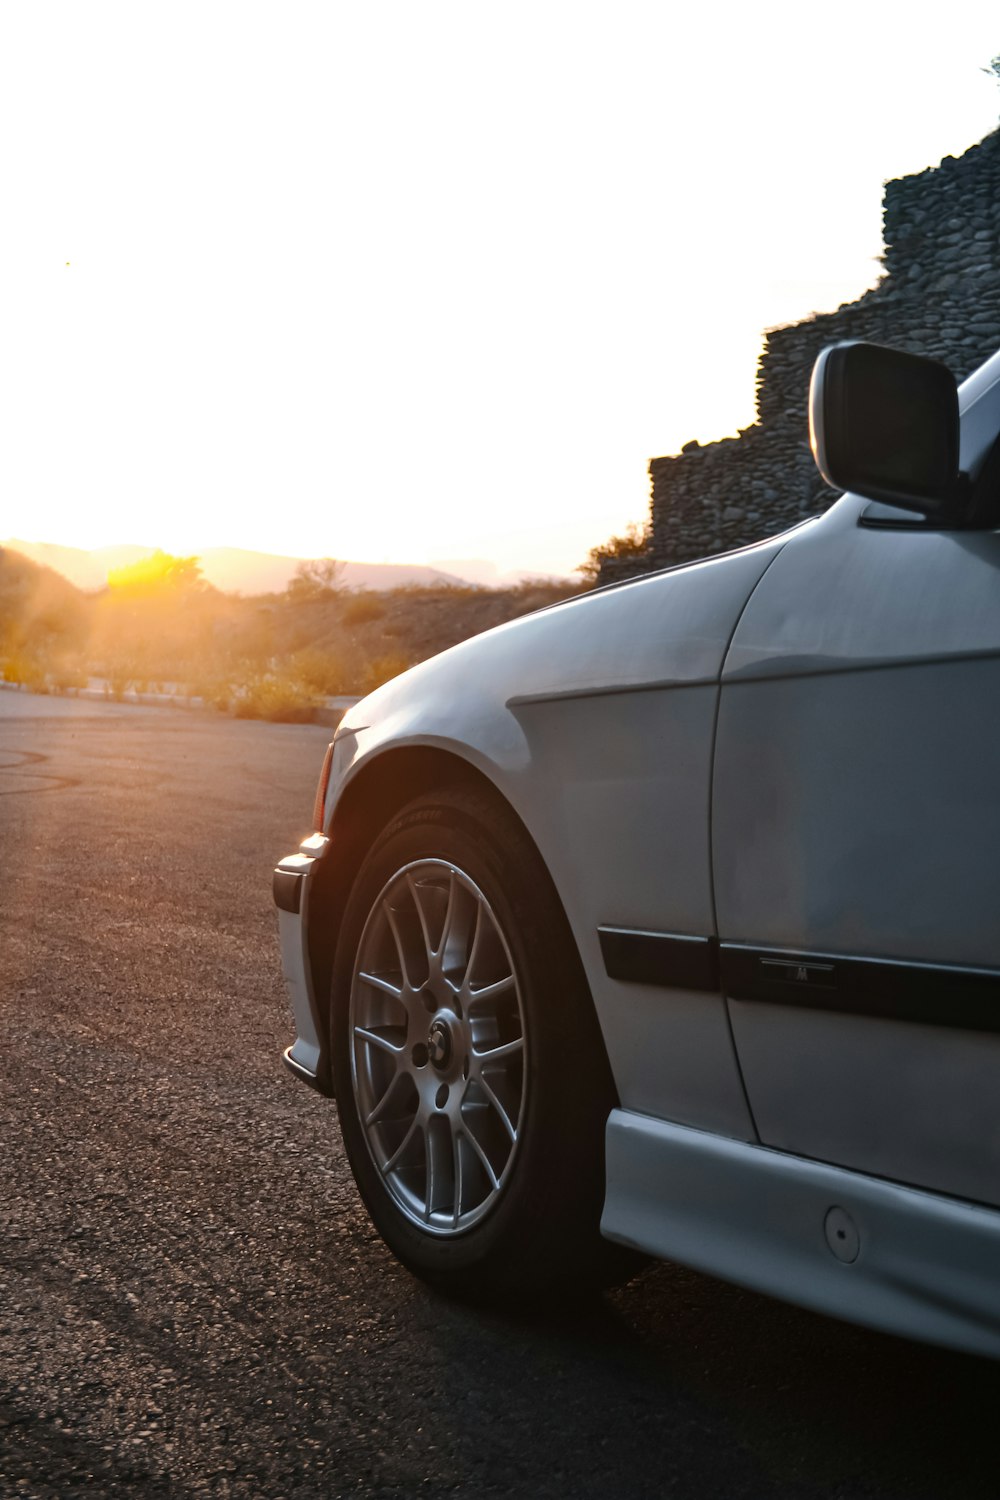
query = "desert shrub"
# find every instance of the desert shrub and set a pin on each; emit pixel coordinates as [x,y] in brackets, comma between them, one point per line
[316,578]
[277,698]
[119,678]
[633,544]
[27,670]
[448,592]
[524,601]
[322,673]
[362,608]
[66,675]
[214,690]
[381,669]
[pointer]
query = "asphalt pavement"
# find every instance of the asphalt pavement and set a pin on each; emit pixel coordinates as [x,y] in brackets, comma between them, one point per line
[192,1299]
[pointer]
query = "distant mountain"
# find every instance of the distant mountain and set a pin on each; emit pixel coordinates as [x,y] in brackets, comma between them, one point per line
[88,570]
[232,569]
[485,573]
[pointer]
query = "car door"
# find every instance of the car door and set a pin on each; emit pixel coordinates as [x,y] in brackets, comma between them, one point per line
[856,848]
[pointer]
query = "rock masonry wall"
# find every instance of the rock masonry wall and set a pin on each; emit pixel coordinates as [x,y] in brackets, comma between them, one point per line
[940,296]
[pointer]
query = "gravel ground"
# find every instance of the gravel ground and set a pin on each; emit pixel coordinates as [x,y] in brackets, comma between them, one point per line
[192,1301]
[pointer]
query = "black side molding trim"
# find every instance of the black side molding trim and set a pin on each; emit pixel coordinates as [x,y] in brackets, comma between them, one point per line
[665,958]
[964,999]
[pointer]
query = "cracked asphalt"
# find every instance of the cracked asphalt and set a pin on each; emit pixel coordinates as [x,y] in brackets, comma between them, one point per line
[192,1300]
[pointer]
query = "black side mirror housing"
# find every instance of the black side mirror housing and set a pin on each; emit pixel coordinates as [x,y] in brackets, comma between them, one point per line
[885,425]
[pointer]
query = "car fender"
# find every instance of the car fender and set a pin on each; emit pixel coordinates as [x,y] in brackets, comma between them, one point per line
[664,632]
[594,720]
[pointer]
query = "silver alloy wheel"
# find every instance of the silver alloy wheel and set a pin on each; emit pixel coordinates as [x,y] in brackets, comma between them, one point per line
[438,1047]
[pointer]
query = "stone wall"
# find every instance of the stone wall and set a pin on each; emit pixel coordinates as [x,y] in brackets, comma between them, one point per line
[940,296]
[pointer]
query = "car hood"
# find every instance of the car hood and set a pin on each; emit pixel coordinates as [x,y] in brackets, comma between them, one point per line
[667,629]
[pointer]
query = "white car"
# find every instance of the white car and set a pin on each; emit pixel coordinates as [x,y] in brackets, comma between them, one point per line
[669,917]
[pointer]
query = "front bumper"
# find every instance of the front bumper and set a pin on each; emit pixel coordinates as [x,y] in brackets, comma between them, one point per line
[291,887]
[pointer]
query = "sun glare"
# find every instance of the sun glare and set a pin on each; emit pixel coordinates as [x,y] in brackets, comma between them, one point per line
[448,293]
[154,574]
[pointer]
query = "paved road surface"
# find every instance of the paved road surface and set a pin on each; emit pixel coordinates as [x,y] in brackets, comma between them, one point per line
[192,1301]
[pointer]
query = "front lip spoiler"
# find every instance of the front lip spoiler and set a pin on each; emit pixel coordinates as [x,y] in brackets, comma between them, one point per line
[298,1070]
[289,876]
[291,887]
[286,885]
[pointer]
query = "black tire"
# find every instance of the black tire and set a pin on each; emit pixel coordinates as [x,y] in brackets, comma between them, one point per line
[540,1223]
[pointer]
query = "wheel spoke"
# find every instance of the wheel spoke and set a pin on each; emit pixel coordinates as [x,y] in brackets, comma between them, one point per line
[474,945]
[492,991]
[378,983]
[449,917]
[382,1107]
[429,1174]
[505,1118]
[412,887]
[484,1159]
[376,1039]
[456,1148]
[390,916]
[407,1138]
[434,1174]
[493,1054]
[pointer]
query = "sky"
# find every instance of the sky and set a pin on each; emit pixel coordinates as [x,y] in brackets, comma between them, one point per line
[421,282]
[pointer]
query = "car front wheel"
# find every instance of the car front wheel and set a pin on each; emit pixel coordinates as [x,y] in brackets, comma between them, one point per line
[470,1073]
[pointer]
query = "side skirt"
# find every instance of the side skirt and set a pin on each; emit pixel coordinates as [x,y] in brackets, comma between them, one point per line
[895,1258]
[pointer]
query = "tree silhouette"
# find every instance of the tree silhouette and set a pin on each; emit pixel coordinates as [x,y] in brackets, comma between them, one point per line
[317,578]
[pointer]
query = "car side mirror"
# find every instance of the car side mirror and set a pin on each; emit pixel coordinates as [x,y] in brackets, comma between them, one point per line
[885,425]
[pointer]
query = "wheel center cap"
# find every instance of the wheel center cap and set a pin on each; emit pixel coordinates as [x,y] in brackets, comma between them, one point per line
[439,1044]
